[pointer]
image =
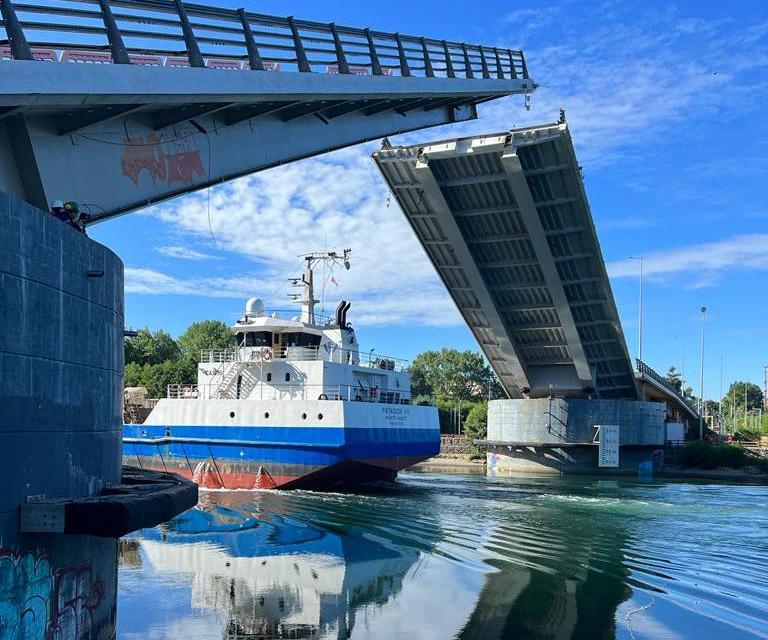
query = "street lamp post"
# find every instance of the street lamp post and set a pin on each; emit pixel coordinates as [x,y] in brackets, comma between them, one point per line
[701,378]
[640,313]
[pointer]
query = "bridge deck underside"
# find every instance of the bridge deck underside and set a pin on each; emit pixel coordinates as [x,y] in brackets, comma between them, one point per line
[115,135]
[505,221]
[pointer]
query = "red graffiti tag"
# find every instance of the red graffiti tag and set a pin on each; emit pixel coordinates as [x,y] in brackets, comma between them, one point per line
[164,161]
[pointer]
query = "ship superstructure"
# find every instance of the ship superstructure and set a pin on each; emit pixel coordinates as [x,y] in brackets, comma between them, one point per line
[295,404]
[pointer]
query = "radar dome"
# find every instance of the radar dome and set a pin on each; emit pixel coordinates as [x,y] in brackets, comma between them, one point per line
[254,307]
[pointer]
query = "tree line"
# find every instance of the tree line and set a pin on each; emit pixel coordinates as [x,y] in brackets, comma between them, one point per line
[153,359]
[742,398]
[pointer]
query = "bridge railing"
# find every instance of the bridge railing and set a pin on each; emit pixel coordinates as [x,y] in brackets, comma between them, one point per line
[175,34]
[648,372]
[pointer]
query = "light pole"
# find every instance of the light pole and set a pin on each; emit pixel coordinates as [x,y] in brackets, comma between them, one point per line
[701,379]
[640,313]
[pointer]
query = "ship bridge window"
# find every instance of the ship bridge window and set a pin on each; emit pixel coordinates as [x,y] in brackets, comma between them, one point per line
[255,339]
[296,339]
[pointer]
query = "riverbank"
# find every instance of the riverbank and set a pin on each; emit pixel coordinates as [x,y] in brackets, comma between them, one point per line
[463,464]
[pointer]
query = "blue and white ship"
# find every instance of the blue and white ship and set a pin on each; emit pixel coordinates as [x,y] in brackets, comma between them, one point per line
[296,405]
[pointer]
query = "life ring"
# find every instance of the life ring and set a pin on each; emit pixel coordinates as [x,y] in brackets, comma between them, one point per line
[266,353]
[322,396]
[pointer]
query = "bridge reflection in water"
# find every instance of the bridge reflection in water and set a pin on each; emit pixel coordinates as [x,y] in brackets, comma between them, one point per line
[450,556]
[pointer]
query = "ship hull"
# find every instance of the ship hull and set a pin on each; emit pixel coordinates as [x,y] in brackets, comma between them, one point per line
[360,445]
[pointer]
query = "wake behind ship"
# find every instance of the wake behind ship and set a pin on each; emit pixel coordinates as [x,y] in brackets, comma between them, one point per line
[295,405]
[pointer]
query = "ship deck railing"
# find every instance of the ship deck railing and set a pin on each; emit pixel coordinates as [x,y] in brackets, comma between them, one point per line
[346,392]
[369,359]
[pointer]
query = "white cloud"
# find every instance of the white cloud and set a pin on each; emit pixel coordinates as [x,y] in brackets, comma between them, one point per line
[701,264]
[183,253]
[626,76]
[272,217]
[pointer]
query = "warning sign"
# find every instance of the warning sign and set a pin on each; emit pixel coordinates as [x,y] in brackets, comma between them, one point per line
[609,445]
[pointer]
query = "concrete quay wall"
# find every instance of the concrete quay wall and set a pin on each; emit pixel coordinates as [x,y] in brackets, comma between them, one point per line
[61,369]
[555,435]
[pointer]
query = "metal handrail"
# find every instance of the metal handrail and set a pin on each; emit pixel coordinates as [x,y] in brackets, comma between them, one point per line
[368,359]
[662,381]
[205,36]
[269,391]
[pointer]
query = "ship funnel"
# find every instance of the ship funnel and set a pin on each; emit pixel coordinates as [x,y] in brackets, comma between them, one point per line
[340,312]
[254,307]
[344,311]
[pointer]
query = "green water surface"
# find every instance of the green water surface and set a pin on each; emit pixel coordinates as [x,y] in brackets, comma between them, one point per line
[457,556]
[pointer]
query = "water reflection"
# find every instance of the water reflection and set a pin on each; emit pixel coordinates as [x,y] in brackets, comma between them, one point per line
[273,574]
[441,556]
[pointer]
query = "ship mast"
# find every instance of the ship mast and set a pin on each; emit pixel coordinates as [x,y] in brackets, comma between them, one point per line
[306,297]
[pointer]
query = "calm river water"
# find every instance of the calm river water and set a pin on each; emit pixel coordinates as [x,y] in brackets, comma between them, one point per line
[444,556]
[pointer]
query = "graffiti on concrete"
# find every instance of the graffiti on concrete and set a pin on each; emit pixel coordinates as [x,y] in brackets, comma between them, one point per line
[76,595]
[37,603]
[25,591]
[166,160]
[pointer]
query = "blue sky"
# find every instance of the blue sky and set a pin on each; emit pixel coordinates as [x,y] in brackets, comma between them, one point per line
[666,105]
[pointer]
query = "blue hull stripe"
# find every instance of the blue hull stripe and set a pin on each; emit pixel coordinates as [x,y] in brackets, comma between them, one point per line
[287,445]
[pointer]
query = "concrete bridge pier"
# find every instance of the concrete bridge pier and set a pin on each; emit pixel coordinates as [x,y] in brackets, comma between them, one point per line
[557,435]
[61,367]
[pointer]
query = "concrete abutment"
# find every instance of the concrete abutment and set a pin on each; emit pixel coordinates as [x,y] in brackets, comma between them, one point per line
[61,373]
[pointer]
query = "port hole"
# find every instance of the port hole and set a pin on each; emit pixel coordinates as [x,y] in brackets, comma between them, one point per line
[231,414]
[319,416]
[266,415]
[303,416]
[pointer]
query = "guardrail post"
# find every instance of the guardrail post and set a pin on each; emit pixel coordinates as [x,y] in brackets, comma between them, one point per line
[428,70]
[448,62]
[116,45]
[254,59]
[467,63]
[404,70]
[19,48]
[301,56]
[512,64]
[525,67]
[375,64]
[341,59]
[499,70]
[193,51]
[484,63]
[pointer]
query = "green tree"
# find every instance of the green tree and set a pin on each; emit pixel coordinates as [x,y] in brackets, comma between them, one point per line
[161,375]
[476,424]
[675,379]
[151,347]
[136,374]
[208,334]
[454,375]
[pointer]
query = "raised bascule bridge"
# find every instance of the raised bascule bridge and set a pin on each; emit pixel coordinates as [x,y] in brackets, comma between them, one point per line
[119,104]
[505,221]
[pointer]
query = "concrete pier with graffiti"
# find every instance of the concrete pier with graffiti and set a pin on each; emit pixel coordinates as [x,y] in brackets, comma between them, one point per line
[61,362]
[61,313]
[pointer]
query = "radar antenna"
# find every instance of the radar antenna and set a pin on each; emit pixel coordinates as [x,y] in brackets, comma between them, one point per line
[306,297]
